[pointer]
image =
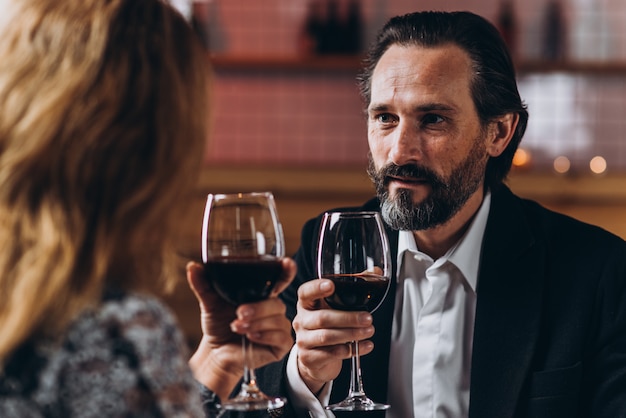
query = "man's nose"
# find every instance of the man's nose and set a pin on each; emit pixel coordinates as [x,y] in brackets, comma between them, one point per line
[405,148]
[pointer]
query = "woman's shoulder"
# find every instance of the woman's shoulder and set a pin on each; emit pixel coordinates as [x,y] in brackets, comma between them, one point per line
[122,316]
[137,327]
[123,305]
[134,310]
[126,354]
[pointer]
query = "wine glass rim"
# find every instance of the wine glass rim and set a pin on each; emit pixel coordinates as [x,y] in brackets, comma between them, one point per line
[353,213]
[240,194]
[263,200]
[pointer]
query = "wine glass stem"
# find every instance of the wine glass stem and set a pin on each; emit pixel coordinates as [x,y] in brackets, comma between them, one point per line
[356,382]
[249,377]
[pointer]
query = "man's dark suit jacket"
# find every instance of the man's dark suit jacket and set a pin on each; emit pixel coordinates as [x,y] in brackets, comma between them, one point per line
[550,327]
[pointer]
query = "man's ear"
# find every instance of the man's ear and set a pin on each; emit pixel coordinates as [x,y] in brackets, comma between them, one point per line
[501,131]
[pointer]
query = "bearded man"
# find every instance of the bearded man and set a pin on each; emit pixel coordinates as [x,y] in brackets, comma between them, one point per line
[498,307]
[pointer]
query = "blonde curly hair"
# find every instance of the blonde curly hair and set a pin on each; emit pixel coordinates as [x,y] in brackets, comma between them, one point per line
[103,122]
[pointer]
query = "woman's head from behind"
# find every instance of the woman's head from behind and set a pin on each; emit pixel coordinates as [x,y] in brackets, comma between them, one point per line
[102,126]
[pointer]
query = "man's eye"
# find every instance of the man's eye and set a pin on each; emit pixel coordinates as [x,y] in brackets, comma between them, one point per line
[385,118]
[432,119]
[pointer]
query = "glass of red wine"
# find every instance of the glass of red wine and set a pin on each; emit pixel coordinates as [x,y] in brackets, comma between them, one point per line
[242,251]
[353,252]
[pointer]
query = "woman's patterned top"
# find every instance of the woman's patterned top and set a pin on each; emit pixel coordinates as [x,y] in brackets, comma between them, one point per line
[128,358]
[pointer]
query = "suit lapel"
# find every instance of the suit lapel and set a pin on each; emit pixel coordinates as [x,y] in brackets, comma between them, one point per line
[508,309]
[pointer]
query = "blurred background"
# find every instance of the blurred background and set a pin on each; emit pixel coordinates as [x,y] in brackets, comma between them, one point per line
[301,116]
[288,117]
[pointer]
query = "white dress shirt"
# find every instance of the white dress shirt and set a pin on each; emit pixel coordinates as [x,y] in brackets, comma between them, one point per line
[432,331]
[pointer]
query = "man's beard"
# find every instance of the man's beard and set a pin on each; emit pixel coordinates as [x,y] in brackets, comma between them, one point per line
[447,197]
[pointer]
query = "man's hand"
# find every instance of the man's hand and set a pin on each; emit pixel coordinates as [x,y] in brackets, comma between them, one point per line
[323,335]
[218,361]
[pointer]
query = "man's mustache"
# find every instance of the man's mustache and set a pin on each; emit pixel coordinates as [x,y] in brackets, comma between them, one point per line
[409,171]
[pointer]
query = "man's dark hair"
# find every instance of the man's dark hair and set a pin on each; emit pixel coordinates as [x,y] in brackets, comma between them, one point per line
[493,86]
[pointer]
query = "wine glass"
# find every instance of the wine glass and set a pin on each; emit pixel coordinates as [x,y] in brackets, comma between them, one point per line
[242,249]
[353,252]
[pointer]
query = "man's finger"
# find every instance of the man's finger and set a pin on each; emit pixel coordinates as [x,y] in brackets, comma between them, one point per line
[311,292]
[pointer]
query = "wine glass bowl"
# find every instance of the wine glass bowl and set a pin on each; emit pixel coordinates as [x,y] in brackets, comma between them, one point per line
[242,252]
[353,252]
[357,292]
[241,280]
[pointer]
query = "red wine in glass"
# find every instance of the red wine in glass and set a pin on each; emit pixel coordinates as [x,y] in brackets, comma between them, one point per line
[353,252]
[241,280]
[242,249]
[357,292]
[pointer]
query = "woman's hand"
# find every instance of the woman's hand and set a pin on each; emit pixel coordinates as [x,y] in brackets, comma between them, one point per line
[217,362]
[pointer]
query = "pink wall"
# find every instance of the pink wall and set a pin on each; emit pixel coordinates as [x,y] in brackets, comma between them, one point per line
[288,118]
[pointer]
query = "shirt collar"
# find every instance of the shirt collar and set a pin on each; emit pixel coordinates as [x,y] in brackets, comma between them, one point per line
[465,254]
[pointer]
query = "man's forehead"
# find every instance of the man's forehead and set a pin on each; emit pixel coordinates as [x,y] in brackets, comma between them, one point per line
[445,69]
[413,59]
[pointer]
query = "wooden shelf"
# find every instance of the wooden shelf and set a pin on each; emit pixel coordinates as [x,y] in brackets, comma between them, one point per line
[573,67]
[353,64]
[330,63]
